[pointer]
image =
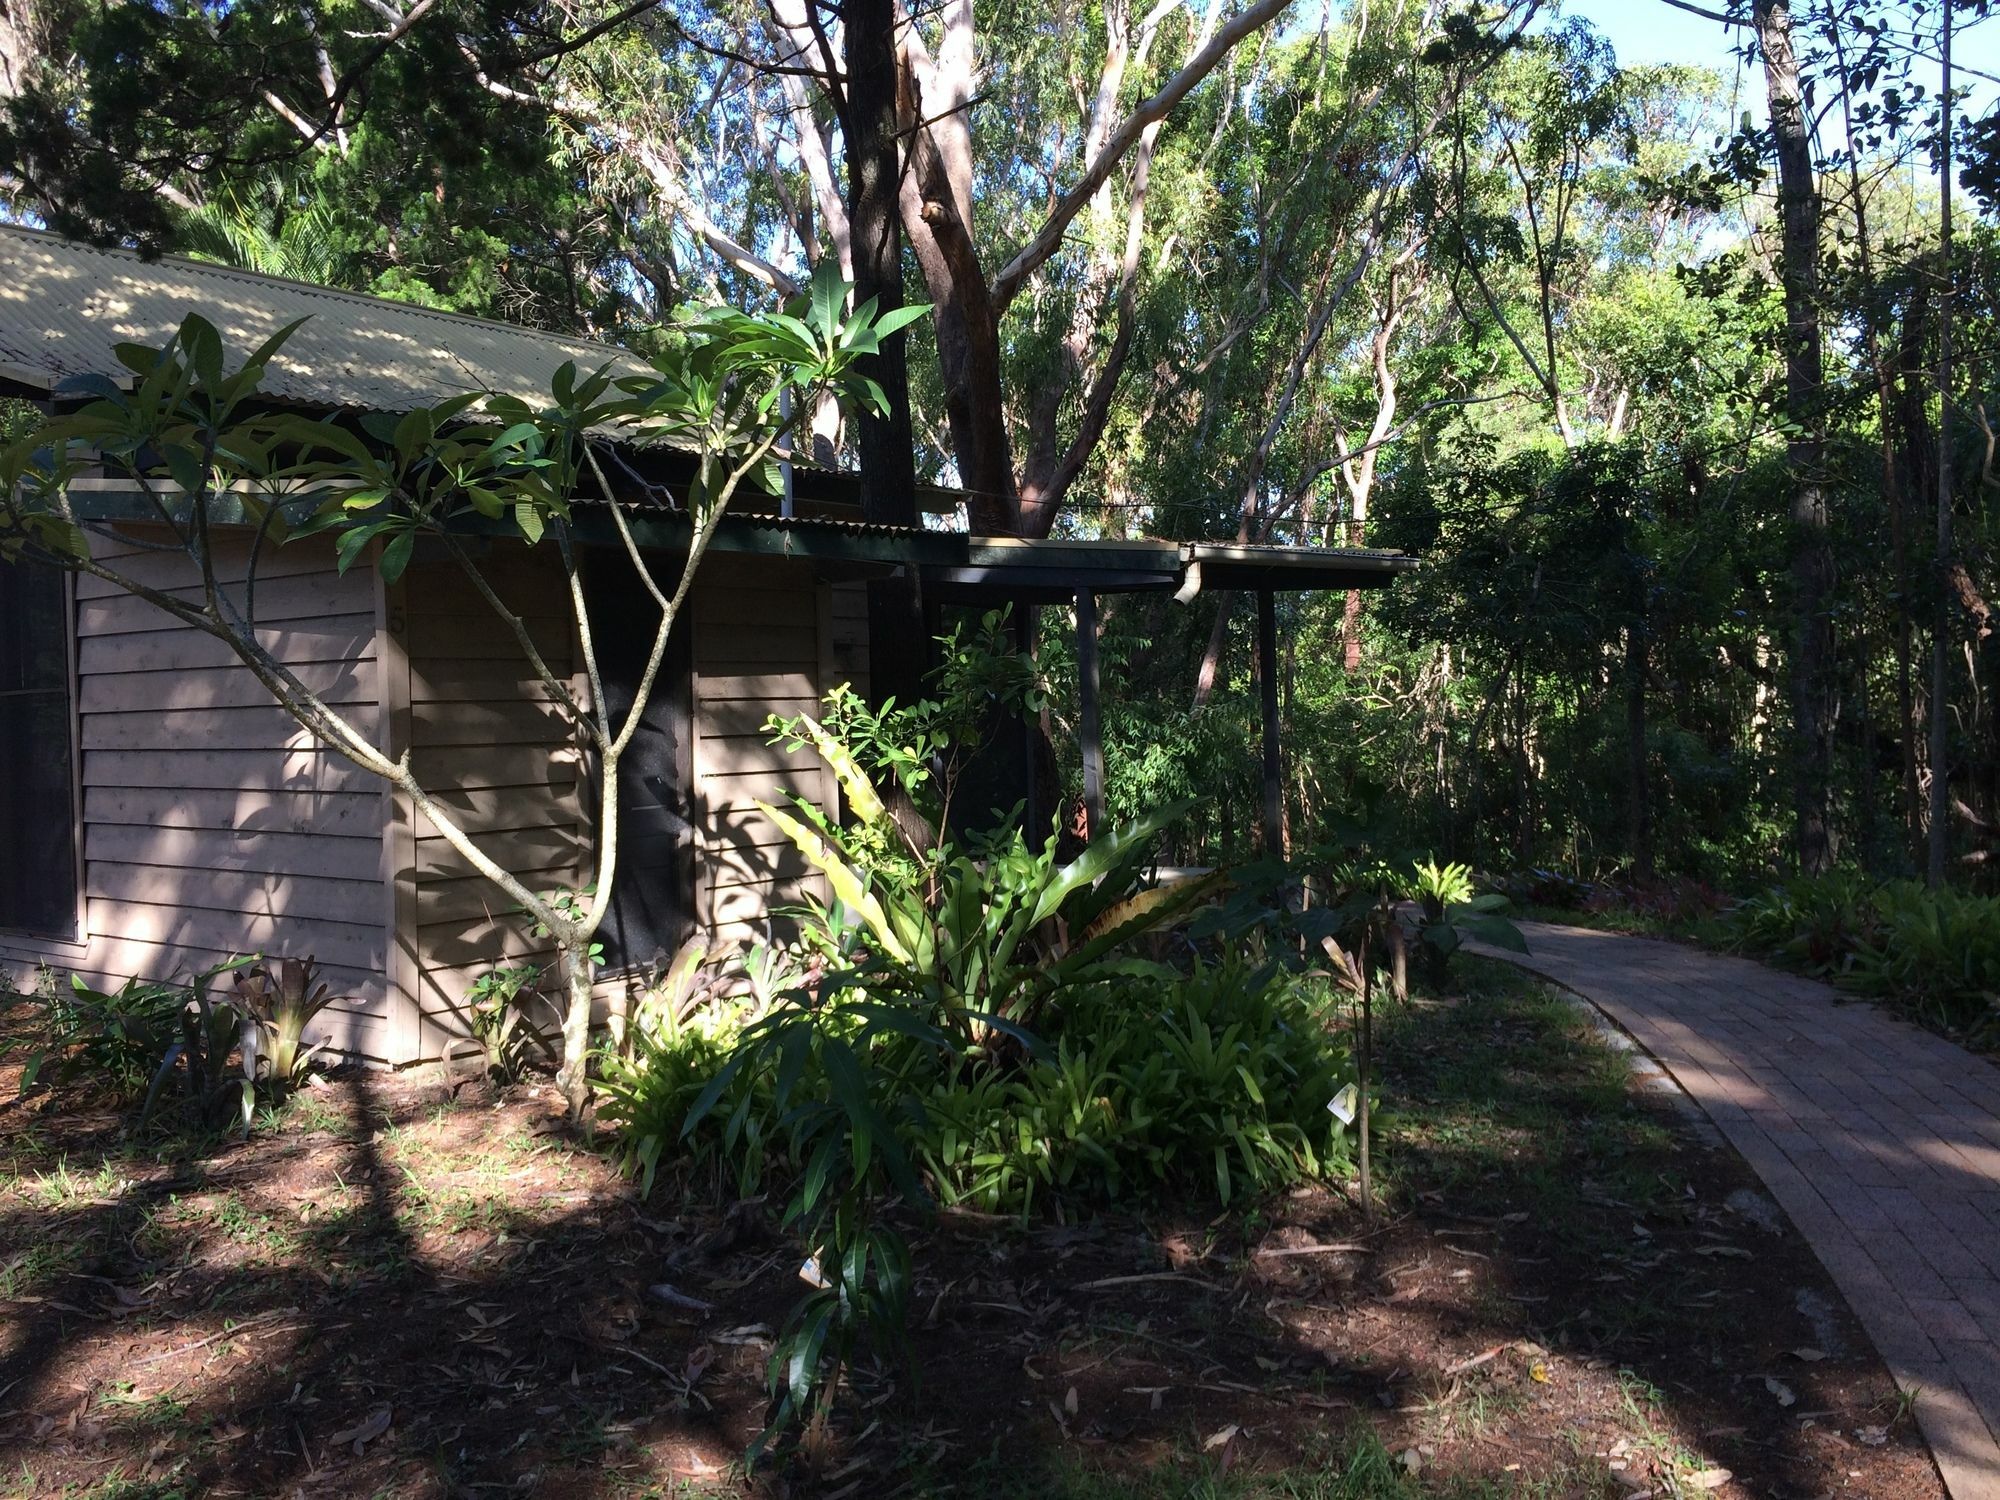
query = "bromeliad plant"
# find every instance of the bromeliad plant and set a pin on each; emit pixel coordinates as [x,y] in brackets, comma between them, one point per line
[274,1004]
[975,937]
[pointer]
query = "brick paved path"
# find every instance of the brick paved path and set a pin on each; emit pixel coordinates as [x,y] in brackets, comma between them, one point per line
[1880,1140]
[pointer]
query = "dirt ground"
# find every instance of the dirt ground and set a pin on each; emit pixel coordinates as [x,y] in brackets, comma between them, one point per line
[1572,1292]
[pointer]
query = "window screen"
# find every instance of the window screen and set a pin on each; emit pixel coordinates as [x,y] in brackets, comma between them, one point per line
[37,808]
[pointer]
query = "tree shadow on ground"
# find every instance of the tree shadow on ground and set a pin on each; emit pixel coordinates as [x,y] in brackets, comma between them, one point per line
[382,1294]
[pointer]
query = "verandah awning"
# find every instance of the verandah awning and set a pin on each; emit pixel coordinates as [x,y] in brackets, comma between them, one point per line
[955,565]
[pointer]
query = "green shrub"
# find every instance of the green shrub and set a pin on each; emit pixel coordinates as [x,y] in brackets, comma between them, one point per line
[1811,923]
[211,1056]
[980,1013]
[118,1040]
[1934,954]
[1217,1080]
[647,1096]
[499,1030]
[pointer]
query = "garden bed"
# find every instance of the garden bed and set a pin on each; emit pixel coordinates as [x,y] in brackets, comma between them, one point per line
[1573,1291]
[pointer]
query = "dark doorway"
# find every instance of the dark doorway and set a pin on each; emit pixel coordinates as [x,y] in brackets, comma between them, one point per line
[652,908]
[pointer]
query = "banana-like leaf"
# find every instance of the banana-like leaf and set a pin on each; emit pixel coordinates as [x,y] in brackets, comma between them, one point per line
[1106,852]
[1148,908]
[1144,912]
[862,799]
[1486,927]
[846,882]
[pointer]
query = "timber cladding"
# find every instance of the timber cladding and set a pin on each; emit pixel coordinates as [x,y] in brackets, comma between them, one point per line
[761,643]
[480,723]
[212,824]
[498,754]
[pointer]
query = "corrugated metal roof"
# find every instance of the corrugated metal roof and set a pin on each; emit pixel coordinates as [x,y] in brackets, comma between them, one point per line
[1296,556]
[764,520]
[64,306]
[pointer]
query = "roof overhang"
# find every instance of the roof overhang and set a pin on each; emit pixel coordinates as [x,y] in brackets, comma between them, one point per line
[952,564]
[1224,565]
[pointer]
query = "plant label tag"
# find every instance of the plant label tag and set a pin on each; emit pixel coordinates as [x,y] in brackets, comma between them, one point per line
[810,1274]
[1342,1106]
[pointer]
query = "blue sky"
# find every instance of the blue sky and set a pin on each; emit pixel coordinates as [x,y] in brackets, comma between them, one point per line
[1651,31]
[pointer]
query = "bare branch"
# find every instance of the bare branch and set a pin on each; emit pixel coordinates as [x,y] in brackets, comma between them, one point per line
[1120,141]
[1705,13]
[518,628]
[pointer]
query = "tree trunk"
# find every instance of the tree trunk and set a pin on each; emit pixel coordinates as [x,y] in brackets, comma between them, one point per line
[1941,632]
[1640,805]
[1893,495]
[1812,552]
[896,635]
[573,1078]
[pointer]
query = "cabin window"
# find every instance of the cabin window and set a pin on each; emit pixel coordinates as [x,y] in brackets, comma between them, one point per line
[37,796]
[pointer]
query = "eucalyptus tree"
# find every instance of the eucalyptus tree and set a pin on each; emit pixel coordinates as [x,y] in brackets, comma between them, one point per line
[703,150]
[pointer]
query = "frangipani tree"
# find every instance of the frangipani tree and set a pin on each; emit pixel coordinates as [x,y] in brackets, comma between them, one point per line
[191,436]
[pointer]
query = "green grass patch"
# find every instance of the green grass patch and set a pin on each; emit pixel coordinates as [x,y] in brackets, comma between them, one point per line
[1353,1466]
[1503,1098]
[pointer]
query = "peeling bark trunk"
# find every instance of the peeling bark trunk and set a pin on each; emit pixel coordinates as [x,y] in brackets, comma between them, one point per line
[887,446]
[968,330]
[1812,552]
[937,209]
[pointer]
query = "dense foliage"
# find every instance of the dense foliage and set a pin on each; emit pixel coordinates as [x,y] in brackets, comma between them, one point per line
[1453,279]
[1934,954]
[968,1020]
[185,1051]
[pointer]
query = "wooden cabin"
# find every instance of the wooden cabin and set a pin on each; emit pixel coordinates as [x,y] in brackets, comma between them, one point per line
[160,813]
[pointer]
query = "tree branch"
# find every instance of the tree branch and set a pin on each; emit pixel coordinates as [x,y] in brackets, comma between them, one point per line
[1120,141]
[1705,13]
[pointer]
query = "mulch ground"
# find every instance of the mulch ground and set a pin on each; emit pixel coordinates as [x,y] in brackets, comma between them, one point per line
[395,1291]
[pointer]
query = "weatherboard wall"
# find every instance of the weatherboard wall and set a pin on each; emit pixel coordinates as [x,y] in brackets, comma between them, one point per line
[211,823]
[763,637]
[486,737]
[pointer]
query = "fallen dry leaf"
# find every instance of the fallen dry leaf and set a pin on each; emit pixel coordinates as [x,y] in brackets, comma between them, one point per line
[697,1363]
[1810,1356]
[364,1432]
[1708,1479]
[1217,1439]
[1785,1394]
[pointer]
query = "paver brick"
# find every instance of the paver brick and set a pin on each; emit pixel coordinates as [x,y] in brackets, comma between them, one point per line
[1880,1140]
